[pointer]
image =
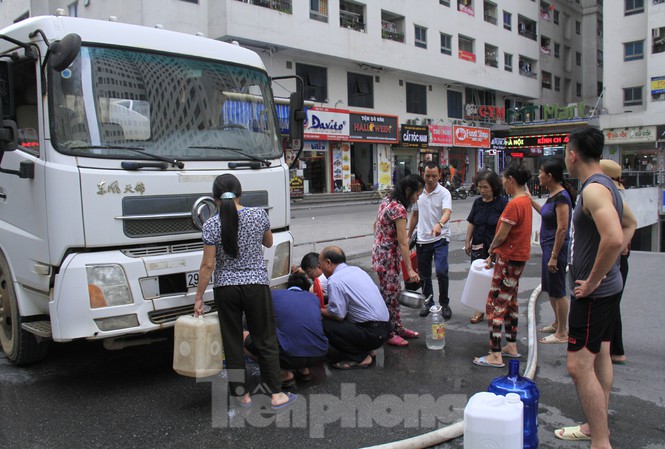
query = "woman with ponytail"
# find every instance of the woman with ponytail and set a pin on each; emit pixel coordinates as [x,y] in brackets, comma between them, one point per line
[554,240]
[233,249]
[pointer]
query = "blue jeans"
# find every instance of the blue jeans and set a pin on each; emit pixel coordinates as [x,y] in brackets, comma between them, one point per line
[439,251]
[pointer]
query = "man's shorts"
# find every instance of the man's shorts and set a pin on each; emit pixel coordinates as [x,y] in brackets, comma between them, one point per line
[591,321]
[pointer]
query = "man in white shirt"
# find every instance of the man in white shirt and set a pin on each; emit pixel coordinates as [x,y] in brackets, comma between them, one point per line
[430,217]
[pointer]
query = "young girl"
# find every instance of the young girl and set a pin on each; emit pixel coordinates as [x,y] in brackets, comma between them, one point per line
[233,242]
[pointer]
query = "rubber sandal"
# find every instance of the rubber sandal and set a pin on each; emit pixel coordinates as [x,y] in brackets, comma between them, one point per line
[572,433]
[480,361]
[349,365]
[511,356]
[547,329]
[617,361]
[292,398]
[408,333]
[477,317]
[396,340]
[551,339]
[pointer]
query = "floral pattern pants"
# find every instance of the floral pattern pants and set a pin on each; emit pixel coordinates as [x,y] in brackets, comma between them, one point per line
[390,287]
[501,308]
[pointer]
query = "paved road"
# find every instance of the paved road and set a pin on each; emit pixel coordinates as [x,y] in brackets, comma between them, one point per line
[82,396]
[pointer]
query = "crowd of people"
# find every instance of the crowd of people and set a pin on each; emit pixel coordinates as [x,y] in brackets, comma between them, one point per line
[333,311]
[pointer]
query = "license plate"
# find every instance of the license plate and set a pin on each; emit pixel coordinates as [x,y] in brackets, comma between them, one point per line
[192,279]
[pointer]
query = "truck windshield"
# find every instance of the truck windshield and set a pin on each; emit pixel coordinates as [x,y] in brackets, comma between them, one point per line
[171,106]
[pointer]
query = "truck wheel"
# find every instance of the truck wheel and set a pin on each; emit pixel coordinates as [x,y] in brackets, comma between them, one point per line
[20,347]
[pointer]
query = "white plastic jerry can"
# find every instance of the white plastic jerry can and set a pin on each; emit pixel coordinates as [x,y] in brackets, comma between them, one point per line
[492,421]
[197,346]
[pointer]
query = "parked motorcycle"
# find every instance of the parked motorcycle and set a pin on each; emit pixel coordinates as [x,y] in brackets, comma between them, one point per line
[473,190]
[456,192]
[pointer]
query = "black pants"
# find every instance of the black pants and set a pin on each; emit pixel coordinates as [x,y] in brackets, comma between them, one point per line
[256,303]
[616,345]
[287,362]
[355,340]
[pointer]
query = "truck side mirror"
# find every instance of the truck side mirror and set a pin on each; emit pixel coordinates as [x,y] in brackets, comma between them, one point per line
[297,116]
[64,52]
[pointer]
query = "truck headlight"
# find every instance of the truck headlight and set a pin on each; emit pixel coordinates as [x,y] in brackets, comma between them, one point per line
[281,264]
[107,286]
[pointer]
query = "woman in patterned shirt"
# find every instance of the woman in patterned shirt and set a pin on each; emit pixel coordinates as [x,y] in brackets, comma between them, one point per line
[390,246]
[233,248]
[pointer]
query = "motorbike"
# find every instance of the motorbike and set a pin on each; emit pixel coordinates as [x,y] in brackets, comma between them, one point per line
[456,193]
[473,190]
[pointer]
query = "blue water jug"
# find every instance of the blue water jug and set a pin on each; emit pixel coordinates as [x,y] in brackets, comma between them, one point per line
[528,392]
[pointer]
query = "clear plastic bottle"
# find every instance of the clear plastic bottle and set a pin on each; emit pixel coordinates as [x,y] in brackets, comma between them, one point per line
[436,336]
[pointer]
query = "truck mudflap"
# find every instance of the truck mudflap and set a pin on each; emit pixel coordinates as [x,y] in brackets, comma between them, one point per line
[114,293]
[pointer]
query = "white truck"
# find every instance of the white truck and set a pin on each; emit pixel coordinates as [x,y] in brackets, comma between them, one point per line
[111,137]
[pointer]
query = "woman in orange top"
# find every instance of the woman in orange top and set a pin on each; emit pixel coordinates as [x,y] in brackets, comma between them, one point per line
[510,250]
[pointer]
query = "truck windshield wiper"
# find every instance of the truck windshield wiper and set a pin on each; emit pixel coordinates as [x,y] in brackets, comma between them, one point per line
[265,162]
[174,162]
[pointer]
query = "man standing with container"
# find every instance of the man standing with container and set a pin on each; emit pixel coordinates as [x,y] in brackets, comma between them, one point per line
[430,218]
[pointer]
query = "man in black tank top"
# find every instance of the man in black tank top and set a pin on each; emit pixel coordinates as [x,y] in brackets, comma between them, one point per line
[600,230]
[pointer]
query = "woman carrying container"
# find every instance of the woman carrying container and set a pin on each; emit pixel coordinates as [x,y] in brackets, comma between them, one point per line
[483,219]
[391,246]
[233,248]
[510,249]
[554,240]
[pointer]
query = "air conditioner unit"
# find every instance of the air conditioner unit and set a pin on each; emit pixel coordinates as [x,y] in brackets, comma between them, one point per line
[429,121]
[410,121]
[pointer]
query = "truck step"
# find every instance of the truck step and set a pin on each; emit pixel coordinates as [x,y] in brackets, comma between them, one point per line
[39,328]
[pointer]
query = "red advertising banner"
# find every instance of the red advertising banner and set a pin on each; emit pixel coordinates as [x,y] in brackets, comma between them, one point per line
[440,136]
[467,56]
[467,136]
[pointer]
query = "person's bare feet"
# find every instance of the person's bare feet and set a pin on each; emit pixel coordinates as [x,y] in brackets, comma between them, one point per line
[279,399]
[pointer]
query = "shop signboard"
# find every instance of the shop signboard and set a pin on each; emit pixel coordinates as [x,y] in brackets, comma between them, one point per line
[538,140]
[440,136]
[413,136]
[373,128]
[468,136]
[636,134]
[657,85]
[341,167]
[484,112]
[384,167]
[467,56]
[327,124]
[297,186]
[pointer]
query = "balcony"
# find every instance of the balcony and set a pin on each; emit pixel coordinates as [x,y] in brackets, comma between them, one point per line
[278,5]
[351,20]
[391,30]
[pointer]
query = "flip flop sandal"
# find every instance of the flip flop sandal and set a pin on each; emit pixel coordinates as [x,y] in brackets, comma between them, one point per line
[396,340]
[349,365]
[511,356]
[551,339]
[408,333]
[480,361]
[547,329]
[292,398]
[572,433]
[477,317]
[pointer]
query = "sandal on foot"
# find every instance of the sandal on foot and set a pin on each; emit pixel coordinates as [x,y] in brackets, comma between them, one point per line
[292,398]
[619,359]
[551,339]
[477,317]
[408,333]
[349,364]
[571,433]
[481,361]
[548,329]
[396,340]
[511,356]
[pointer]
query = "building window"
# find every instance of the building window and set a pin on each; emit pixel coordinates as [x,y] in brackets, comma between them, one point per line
[466,51]
[318,10]
[508,62]
[557,84]
[555,16]
[546,81]
[578,89]
[416,98]
[490,12]
[633,51]
[599,58]
[360,89]
[526,27]
[465,6]
[528,67]
[73,9]
[557,49]
[351,16]
[188,1]
[599,88]
[444,2]
[455,104]
[578,27]
[491,55]
[446,44]
[392,26]
[316,82]
[507,20]
[633,7]
[632,96]
[578,58]
[421,36]
[545,45]
[658,36]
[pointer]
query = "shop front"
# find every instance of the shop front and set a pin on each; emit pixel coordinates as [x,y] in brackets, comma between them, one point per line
[532,150]
[412,139]
[325,164]
[463,155]
[636,150]
[439,142]
[371,136]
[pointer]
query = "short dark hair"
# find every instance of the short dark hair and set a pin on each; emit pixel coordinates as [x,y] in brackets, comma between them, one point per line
[309,261]
[297,279]
[333,254]
[587,143]
[520,174]
[492,179]
[432,164]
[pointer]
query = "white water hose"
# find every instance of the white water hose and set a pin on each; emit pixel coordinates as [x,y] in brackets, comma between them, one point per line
[457,429]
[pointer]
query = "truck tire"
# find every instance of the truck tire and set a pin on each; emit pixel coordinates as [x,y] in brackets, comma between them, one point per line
[20,347]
